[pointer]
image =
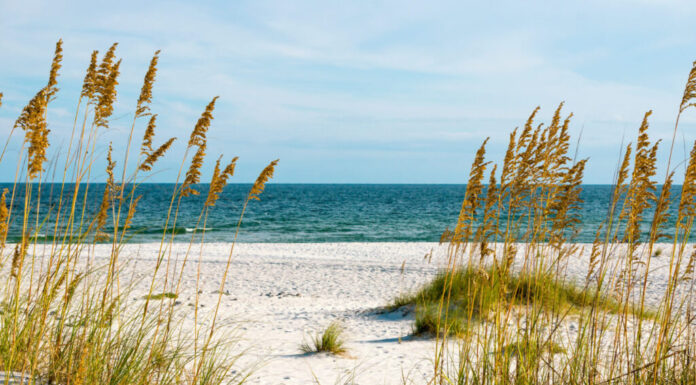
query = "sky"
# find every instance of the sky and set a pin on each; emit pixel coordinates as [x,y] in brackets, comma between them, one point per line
[362,91]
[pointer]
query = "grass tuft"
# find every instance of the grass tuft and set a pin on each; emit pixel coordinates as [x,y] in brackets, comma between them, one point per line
[329,341]
[475,294]
[157,297]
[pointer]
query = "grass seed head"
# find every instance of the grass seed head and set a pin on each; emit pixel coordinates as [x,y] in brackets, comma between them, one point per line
[55,66]
[146,146]
[145,98]
[89,84]
[33,121]
[4,215]
[689,90]
[198,135]
[260,183]
[156,155]
[219,180]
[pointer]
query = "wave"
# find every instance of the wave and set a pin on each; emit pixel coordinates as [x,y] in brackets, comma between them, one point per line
[191,229]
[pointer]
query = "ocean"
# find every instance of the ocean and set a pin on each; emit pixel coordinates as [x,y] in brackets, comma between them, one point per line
[306,212]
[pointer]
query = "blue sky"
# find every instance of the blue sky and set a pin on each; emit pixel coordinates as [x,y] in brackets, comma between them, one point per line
[364,92]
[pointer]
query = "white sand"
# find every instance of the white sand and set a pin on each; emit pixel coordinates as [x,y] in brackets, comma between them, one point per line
[281,293]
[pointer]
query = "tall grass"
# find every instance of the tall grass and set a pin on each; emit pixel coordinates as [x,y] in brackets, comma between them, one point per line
[506,287]
[64,317]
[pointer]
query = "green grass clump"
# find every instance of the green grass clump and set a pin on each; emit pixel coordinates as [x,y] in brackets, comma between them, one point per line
[530,349]
[473,294]
[330,341]
[157,297]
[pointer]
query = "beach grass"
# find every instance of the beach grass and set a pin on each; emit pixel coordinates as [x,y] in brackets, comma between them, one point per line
[65,317]
[506,287]
[167,295]
[330,340]
[474,294]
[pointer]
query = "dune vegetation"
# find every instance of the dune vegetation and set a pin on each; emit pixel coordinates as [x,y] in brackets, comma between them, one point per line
[505,309]
[329,341]
[64,317]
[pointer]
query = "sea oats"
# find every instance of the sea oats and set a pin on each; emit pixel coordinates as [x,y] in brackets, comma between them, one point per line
[143,108]
[260,183]
[89,85]
[661,214]
[689,90]
[193,175]
[106,95]
[687,201]
[4,215]
[508,162]
[33,122]
[131,213]
[219,181]
[146,147]
[199,132]
[563,208]
[488,227]
[155,155]
[52,88]
[17,257]
[467,214]
[103,209]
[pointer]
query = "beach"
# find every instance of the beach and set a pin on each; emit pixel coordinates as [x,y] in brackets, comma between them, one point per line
[277,295]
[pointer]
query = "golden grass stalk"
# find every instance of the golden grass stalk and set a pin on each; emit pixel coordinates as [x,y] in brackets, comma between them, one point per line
[102,214]
[260,183]
[193,175]
[146,146]
[4,220]
[62,325]
[488,225]
[474,188]
[52,88]
[131,213]
[156,155]
[106,80]
[33,122]
[689,90]
[219,181]
[89,85]
[143,108]
[198,135]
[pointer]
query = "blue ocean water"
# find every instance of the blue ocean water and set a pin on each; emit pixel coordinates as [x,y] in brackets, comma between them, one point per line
[303,212]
